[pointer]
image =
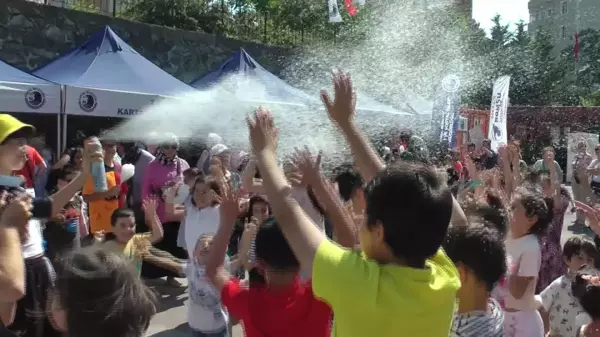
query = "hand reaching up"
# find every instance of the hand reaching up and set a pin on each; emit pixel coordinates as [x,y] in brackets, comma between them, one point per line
[150,206]
[263,134]
[308,165]
[341,109]
[229,208]
[591,214]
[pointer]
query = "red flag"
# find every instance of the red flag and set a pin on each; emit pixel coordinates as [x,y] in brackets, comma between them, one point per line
[576,47]
[350,9]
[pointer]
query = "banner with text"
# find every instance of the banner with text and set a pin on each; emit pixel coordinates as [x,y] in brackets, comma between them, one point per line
[497,132]
[446,111]
[334,11]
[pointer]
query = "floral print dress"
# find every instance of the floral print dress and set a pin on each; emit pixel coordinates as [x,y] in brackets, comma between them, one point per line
[553,265]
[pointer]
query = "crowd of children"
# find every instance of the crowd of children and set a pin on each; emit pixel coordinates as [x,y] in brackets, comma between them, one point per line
[379,250]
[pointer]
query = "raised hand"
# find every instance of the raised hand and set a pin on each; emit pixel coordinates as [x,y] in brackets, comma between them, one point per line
[263,134]
[342,109]
[308,165]
[591,214]
[150,206]
[229,203]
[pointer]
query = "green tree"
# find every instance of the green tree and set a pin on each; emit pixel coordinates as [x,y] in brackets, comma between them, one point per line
[500,33]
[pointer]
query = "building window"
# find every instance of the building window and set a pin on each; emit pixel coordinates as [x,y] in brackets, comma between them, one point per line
[563,32]
[565,8]
[549,13]
[532,18]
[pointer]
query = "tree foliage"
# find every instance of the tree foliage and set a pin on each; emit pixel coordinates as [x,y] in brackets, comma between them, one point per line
[449,41]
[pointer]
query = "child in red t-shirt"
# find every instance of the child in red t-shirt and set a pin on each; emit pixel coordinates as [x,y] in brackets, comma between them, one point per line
[284,305]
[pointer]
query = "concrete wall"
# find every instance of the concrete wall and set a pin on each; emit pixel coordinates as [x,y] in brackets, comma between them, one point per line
[32,34]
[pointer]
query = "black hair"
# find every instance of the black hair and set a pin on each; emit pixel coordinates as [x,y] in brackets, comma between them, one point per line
[256,199]
[479,247]
[414,207]
[102,294]
[535,204]
[493,211]
[272,248]
[587,290]
[453,176]
[348,181]
[120,213]
[313,200]
[576,245]
[66,171]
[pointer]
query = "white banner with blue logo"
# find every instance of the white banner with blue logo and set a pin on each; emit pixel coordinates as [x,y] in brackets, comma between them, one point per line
[106,103]
[446,111]
[497,132]
[29,97]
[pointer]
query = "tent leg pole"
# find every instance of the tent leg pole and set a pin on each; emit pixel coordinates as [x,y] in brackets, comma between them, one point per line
[58,136]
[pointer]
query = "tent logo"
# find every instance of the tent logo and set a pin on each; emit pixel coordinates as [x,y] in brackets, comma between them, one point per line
[87,101]
[35,98]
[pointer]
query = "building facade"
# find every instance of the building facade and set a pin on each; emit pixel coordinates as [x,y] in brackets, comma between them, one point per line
[563,18]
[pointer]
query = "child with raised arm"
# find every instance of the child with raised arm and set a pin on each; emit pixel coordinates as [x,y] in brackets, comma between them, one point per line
[283,305]
[402,282]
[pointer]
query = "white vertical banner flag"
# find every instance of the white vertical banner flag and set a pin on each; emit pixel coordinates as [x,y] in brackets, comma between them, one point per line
[334,11]
[497,126]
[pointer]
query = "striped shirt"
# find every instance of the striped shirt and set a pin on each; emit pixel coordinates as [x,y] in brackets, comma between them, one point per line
[478,324]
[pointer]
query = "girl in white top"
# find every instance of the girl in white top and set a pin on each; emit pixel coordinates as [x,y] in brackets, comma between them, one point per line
[531,214]
[201,211]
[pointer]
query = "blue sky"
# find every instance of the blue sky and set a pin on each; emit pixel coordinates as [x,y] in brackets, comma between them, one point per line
[511,11]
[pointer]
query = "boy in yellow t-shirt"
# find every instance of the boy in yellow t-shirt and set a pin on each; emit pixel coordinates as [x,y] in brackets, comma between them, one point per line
[402,284]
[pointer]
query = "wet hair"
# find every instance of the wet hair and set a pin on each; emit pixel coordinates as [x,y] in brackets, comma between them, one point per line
[479,247]
[453,176]
[587,292]
[576,245]
[120,213]
[535,204]
[102,294]
[348,181]
[492,210]
[272,248]
[414,207]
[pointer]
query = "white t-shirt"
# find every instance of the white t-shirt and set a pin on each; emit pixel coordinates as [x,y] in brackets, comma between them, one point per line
[198,222]
[34,245]
[562,308]
[301,196]
[525,254]
[205,310]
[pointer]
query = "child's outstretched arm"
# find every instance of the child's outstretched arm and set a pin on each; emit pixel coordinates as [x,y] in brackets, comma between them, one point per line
[155,226]
[342,111]
[302,234]
[229,208]
[342,221]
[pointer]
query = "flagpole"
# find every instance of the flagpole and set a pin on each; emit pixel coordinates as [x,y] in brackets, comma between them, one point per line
[576,50]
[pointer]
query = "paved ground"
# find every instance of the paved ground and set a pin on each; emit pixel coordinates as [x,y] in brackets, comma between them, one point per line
[171,320]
